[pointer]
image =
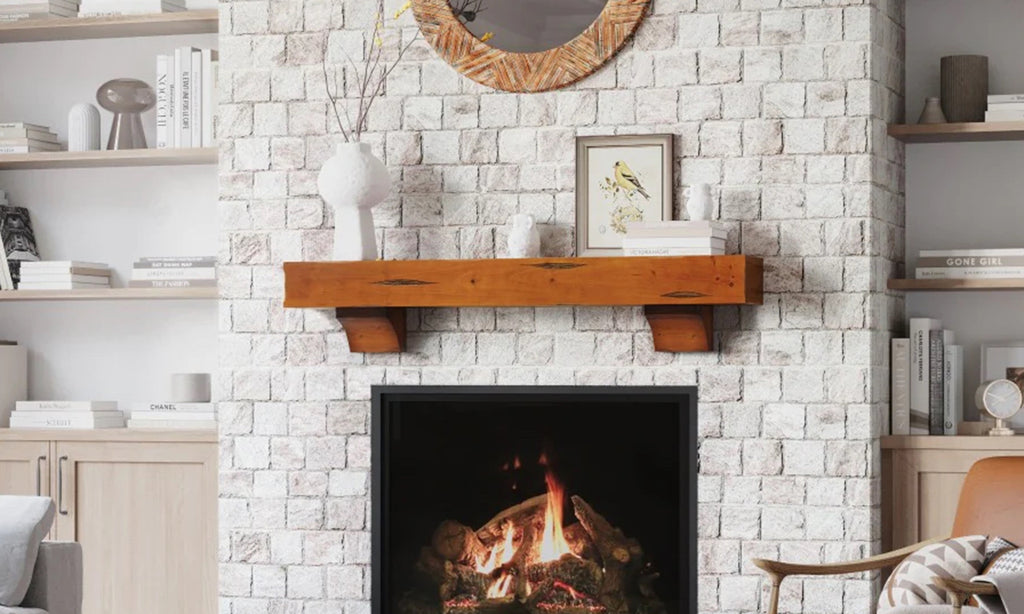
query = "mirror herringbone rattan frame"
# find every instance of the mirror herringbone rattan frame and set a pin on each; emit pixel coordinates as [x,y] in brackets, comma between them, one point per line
[529,72]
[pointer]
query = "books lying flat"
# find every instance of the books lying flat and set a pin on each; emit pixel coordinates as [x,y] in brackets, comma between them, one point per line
[671,251]
[705,242]
[83,406]
[174,283]
[28,133]
[64,278]
[22,149]
[173,407]
[945,253]
[1004,116]
[46,285]
[201,262]
[676,229]
[959,262]
[192,425]
[63,266]
[174,273]
[184,416]
[1005,98]
[32,144]
[970,273]
[67,419]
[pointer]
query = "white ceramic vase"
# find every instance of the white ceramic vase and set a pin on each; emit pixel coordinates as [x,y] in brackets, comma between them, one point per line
[354,181]
[698,202]
[83,128]
[523,237]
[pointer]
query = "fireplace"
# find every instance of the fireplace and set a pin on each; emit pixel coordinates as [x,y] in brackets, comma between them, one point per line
[534,500]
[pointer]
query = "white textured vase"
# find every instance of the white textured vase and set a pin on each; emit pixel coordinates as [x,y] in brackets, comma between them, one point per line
[523,237]
[354,181]
[83,128]
[698,202]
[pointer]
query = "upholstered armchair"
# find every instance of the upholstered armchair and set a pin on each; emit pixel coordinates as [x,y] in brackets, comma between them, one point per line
[991,503]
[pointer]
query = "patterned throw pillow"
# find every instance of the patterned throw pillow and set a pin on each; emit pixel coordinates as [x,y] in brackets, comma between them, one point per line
[996,546]
[1007,561]
[911,582]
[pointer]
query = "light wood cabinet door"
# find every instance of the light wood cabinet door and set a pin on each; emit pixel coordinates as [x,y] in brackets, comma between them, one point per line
[24,468]
[146,517]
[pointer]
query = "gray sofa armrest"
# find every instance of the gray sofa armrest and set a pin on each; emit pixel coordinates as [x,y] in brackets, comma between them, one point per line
[57,579]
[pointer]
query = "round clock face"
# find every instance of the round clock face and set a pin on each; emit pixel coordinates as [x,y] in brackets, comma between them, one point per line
[1000,398]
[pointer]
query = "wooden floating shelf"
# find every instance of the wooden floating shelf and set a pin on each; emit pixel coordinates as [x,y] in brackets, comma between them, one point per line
[955,285]
[954,133]
[110,294]
[101,159]
[118,26]
[678,293]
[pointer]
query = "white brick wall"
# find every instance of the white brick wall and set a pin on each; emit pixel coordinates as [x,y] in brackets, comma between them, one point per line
[780,104]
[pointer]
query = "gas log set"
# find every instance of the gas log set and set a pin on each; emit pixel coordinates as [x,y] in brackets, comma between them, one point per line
[523,561]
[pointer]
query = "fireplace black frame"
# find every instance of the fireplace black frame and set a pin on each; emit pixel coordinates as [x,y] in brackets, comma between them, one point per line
[684,396]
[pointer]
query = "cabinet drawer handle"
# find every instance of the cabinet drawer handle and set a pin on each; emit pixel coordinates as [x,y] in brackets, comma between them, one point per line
[39,475]
[60,485]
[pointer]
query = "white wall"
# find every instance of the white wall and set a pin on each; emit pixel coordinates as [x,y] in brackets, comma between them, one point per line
[967,195]
[114,350]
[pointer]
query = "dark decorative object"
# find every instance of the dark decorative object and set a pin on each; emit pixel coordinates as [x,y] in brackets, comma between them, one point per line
[17,238]
[127,99]
[932,113]
[964,87]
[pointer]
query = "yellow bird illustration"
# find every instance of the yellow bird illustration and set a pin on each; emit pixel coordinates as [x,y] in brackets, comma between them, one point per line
[628,181]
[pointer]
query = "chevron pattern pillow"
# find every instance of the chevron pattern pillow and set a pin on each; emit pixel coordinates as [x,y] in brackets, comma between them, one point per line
[1007,561]
[911,582]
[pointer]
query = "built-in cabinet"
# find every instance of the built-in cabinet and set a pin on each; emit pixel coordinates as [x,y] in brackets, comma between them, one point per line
[143,506]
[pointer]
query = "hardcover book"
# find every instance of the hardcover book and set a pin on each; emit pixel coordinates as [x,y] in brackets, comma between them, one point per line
[920,366]
[173,407]
[82,406]
[938,340]
[953,396]
[900,393]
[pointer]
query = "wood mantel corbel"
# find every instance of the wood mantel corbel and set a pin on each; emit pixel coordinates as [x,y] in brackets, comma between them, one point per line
[678,293]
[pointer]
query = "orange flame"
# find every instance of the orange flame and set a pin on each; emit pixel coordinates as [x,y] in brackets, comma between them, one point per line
[501,587]
[501,553]
[553,544]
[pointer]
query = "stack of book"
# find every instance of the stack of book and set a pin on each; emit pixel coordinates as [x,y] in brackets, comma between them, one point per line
[971,264]
[129,7]
[64,275]
[674,238]
[12,10]
[1005,108]
[19,137]
[189,416]
[67,415]
[927,381]
[175,272]
[186,86]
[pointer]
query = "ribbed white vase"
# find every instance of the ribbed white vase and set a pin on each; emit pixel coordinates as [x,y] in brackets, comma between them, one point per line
[83,128]
[353,181]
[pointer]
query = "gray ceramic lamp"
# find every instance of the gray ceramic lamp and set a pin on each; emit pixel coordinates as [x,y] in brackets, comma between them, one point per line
[127,99]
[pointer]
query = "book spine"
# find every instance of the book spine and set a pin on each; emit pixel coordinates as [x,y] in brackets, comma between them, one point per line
[174,283]
[195,108]
[175,264]
[85,406]
[71,422]
[161,102]
[698,242]
[185,96]
[1003,272]
[936,388]
[919,366]
[670,251]
[208,98]
[167,273]
[173,407]
[173,415]
[1004,116]
[1006,106]
[1004,98]
[946,253]
[953,401]
[22,126]
[969,262]
[900,393]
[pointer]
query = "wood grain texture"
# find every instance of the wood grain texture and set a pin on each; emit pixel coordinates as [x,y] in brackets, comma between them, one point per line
[529,72]
[539,282]
[955,285]
[374,330]
[110,26]
[681,329]
[952,133]
[104,159]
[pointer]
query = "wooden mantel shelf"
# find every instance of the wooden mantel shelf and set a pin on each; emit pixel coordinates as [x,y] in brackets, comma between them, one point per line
[678,293]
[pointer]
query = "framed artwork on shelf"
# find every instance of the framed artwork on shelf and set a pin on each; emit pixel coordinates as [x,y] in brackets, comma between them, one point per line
[1005,361]
[620,179]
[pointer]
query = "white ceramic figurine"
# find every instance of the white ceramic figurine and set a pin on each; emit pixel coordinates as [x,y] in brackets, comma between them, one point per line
[698,202]
[523,238]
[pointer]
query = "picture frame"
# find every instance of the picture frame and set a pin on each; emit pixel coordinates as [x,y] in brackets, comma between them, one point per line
[619,179]
[1004,361]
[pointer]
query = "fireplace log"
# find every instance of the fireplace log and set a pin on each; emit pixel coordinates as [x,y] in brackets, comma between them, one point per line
[469,581]
[583,575]
[519,515]
[614,548]
[530,533]
[437,572]
[454,541]
[580,542]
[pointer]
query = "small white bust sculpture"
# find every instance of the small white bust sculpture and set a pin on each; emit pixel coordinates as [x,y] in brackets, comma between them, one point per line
[523,237]
[698,202]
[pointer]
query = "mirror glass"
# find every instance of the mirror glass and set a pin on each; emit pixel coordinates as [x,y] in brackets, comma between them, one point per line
[527,26]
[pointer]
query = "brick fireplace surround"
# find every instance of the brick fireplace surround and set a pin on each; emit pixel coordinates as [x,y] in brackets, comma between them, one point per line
[780,104]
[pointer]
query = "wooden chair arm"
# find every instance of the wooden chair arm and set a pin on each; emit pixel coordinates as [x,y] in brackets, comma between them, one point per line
[965,588]
[779,569]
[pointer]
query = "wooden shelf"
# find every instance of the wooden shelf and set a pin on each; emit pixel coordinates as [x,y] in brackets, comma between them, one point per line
[110,294]
[955,285]
[678,293]
[100,159]
[120,26]
[110,435]
[957,133]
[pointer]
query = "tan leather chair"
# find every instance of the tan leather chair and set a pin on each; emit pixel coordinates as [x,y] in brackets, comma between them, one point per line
[991,503]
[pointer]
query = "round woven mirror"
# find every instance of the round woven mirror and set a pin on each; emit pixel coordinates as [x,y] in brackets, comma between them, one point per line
[528,45]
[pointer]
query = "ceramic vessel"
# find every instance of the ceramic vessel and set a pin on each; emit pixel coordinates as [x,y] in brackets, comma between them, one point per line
[83,128]
[353,181]
[127,99]
[698,202]
[964,83]
[523,237]
[190,388]
[932,113]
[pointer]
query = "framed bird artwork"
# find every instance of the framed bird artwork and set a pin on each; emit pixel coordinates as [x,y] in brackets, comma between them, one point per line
[620,179]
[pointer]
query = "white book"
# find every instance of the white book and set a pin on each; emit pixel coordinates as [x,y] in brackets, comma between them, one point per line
[691,242]
[28,133]
[59,286]
[189,425]
[676,229]
[13,380]
[1004,116]
[70,421]
[173,407]
[83,406]
[62,265]
[167,273]
[1006,106]
[994,272]
[173,109]
[45,415]
[183,61]
[945,253]
[48,274]
[30,142]
[195,98]
[953,397]
[23,149]
[919,372]
[161,102]
[209,100]
[899,398]
[22,126]
[672,251]
[173,415]
[65,278]
[1005,98]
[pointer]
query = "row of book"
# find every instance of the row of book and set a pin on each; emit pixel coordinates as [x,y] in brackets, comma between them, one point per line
[63,275]
[107,415]
[674,238]
[186,85]
[175,272]
[12,10]
[1005,108]
[971,264]
[927,381]
[21,137]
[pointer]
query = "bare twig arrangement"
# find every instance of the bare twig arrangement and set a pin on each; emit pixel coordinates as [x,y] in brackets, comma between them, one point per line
[369,76]
[467,9]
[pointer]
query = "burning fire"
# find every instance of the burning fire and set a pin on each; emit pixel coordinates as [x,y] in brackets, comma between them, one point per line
[553,544]
[501,587]
[501,553]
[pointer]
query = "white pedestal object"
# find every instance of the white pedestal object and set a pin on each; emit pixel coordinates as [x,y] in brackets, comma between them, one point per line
[83,128]
[353,181]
